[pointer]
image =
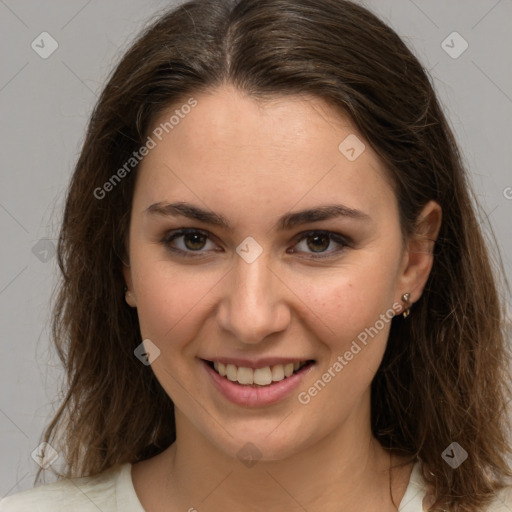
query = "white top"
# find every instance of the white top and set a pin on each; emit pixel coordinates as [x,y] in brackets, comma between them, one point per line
[113,491]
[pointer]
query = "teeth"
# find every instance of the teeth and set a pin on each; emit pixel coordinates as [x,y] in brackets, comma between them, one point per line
[231,372]
[263,376]
[277,373]
[288,369]
[245,375]
[260,376]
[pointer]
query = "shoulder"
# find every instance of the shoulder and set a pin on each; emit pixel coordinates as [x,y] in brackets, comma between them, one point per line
[417,491]
[99,492]
[503,501]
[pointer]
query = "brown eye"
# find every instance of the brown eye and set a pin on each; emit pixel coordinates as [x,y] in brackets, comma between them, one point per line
[186,242]
[319,243]
[194,241]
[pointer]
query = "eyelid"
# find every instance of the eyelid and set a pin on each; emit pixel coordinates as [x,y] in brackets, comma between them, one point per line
[332,235]
[337,238]
[177,233]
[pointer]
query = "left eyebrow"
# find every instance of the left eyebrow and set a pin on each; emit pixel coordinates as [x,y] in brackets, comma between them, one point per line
[286,222]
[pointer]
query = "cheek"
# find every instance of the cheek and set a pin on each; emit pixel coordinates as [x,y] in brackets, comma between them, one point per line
[168,299]
[358,311]
[357,306]
[353,300]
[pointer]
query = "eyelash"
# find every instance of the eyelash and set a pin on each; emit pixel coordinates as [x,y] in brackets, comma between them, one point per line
[173,235]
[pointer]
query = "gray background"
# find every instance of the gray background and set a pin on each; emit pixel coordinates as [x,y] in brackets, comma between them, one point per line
[45,104]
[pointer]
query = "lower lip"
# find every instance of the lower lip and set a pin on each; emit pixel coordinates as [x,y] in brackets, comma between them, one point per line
[257,396]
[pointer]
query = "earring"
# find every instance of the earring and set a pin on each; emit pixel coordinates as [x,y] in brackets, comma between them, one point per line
[407,310]
[127,295]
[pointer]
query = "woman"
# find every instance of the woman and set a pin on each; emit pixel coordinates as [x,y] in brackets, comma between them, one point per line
[276,294]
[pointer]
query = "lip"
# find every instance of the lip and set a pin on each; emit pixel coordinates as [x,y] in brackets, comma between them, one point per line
[252,396]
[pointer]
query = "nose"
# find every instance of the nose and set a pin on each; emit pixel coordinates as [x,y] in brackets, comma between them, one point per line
[253,305]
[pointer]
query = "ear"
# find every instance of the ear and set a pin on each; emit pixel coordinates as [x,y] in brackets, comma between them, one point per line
[129,295]
[419,252]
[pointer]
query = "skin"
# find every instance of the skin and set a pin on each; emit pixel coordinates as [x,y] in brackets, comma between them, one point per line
[253,161]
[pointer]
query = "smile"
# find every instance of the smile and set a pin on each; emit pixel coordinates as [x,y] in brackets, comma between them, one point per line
[264,376]
[257,383]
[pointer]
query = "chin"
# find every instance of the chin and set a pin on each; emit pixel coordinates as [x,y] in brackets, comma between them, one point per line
[263,444]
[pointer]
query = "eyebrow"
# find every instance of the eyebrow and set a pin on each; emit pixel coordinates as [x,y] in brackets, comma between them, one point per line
[286,222]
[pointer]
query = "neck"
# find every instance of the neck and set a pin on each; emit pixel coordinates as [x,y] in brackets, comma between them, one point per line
[347,470]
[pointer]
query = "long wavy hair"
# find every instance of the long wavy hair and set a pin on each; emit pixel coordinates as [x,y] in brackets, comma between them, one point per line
[444,376]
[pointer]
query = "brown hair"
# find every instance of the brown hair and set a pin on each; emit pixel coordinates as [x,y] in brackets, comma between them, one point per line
[443,377]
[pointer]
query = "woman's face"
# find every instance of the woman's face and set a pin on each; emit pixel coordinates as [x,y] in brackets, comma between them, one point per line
[268,288]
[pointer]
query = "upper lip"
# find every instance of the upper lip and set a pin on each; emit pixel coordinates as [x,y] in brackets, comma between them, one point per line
[256,363]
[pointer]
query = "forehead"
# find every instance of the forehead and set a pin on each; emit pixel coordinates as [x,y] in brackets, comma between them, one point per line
[244,150]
